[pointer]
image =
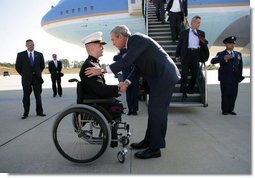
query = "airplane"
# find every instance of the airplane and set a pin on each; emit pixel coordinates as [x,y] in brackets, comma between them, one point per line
[72,20]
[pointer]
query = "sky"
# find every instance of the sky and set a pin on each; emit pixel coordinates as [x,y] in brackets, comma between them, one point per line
[21,20]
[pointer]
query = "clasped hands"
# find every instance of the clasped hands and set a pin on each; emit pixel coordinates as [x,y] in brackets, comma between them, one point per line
[96,70]
[123,86]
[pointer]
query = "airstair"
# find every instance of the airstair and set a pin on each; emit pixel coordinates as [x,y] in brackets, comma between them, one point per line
[161,33]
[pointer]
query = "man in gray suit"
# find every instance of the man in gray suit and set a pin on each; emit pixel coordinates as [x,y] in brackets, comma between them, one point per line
[30,64]
[161,73]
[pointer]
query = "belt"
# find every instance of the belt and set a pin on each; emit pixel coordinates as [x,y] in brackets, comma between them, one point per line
[193,49]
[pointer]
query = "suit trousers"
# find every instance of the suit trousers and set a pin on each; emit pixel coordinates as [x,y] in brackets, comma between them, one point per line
[161,91]
[56,86]
[132,95]
[36,86]
[175,24]
[189,65]
[228,95]
[160,10]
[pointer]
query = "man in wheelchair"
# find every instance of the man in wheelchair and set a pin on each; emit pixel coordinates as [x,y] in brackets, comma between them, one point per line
[93,90]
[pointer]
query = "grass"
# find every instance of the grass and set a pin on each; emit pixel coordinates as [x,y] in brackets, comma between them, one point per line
[12,70]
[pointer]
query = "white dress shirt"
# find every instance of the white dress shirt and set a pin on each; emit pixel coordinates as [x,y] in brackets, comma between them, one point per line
[193,39]
[176,7]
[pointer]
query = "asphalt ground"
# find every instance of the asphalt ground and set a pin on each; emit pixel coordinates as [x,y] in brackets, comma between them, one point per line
[200,141]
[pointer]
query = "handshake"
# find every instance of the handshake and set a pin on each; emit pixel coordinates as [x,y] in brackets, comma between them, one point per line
[123,86]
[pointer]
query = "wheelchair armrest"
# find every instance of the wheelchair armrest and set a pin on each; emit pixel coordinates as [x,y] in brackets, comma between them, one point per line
[110,100]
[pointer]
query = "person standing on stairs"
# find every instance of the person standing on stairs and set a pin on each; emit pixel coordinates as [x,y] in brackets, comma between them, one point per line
[177,11]
[187,52]
[160,9]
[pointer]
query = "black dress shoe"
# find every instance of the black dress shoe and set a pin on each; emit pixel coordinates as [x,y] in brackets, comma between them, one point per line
[224,113]
[24,116]
[140,145]
[184,97]
[148,153]
[190,91]
[232,113]
[42,115]
[134,113]
[129,113]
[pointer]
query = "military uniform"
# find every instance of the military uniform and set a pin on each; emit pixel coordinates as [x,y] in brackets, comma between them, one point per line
[95,87]
[229,75]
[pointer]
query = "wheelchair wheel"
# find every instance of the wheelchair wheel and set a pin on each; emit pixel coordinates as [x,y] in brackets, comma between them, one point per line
[81,134]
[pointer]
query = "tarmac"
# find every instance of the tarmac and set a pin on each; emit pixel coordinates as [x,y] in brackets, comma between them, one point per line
[200,140]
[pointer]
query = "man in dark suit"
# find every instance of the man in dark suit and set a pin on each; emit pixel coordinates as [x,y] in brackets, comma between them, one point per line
[30,64]
[95,87]
[177,11]
[55,68]
[160,9]
[161,73]
[230,74]
[132,93]
[187,51]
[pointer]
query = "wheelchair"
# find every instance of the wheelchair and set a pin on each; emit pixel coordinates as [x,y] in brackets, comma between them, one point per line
[83,131]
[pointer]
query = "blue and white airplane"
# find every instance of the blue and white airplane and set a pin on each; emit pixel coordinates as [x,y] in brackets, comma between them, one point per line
[71,20]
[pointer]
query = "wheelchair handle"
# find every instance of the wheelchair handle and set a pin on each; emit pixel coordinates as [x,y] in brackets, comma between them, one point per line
[73,80]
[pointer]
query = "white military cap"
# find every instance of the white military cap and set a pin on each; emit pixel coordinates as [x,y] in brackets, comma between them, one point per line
[93,38]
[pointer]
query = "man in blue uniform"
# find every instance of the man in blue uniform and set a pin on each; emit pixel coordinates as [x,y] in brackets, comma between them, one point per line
[230,74]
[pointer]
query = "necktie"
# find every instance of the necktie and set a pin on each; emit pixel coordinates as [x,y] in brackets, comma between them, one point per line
[201,38]
[31,59]
[232,54]
[180,1]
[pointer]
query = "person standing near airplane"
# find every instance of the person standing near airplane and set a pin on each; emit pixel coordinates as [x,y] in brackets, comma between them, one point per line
[55,68]
[160,9]
[30,64]
[187,51]
[161,73]
[230,74]
[177,11]
[132,93]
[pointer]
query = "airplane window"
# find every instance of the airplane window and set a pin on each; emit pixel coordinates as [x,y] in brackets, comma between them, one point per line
[133,1]
[85,8]
[79,9]
[61,12]
[91,7]
[66,11]
[73,10]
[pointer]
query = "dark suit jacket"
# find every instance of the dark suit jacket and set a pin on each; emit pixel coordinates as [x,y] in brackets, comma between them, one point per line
[184,5]
[230,71]
[55,71]
[95,87]
[26,70]
[182,47]
[148,57]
